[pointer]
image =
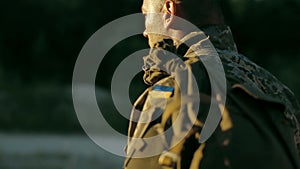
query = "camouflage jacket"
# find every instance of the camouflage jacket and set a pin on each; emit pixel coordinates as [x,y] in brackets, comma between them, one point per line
[153,112]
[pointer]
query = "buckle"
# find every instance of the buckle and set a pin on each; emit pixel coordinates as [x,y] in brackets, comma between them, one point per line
[168,159]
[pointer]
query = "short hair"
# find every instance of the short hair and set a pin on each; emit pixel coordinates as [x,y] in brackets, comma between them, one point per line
[201,12]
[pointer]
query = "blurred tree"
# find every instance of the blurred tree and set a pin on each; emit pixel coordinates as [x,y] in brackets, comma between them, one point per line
[40,41]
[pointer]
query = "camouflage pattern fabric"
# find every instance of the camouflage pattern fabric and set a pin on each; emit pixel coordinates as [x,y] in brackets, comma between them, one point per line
[259,126]
[260,83]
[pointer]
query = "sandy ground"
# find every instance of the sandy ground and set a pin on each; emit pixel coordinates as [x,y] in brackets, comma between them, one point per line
[36,151]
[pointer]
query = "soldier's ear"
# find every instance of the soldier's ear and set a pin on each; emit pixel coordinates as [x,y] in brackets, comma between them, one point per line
[169,13]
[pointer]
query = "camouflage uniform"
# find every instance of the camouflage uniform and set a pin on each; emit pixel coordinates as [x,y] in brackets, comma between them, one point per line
[259,126]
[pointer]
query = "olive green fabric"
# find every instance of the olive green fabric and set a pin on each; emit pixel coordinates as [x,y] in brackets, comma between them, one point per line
[148,162]
[259,127]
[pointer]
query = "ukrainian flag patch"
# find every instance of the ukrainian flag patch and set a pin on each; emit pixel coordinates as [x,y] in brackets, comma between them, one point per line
[162,91]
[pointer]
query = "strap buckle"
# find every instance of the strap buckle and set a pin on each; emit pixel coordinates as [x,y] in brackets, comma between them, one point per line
[168,159]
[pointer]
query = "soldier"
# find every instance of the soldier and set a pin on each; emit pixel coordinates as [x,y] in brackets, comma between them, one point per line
[259,124]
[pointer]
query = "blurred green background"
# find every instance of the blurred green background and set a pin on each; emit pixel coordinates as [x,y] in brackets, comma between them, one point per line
[40,41]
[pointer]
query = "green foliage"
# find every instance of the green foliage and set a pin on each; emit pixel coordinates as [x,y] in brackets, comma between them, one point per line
[40,107]
[267,31]
[40,41]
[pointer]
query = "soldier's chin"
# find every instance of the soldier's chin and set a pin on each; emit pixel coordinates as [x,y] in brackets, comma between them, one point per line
[153,40]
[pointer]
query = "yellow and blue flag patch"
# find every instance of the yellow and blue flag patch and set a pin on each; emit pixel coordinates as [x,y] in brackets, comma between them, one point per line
[162,91]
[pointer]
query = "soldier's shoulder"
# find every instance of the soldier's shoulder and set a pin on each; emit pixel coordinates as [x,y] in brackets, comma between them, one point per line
[244,73]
